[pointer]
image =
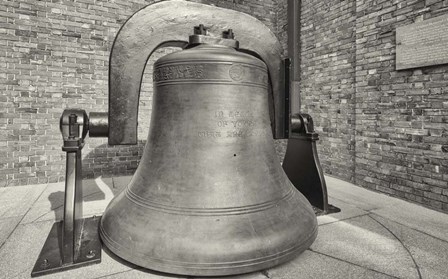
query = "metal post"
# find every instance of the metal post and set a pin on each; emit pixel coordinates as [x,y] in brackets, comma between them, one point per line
[301,163]
[294,8]
[74,241]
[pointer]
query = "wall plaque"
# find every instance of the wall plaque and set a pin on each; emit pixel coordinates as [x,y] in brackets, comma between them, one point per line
[422,44]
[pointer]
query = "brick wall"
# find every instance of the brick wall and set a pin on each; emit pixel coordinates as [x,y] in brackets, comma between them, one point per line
[327,80]
[382,129]
[54,55]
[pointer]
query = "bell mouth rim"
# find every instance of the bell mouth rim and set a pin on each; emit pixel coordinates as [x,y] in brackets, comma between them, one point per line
[206,269]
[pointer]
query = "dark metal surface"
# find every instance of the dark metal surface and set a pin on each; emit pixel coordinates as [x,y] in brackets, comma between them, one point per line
[169,23]
[98,124]
[81,121]
[205,39]
[287,89]
[88,249]
[72,205]
[69,239]
[301,162]
[294,52]
[209,197]
[73,144]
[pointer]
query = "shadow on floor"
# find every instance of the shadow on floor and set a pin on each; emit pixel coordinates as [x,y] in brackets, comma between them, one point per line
[96,193]
[99,185]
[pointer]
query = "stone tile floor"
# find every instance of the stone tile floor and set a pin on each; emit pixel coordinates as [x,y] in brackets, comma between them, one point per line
[374,236]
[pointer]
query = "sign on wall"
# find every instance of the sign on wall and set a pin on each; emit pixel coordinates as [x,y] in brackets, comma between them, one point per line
[422,44]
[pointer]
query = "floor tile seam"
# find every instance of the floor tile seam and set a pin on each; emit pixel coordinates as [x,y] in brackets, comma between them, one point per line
[402,244]
[174,276]
[91,194]
[396,200]
[11,217]
[345,219]
[142,269]
[43,190]
[407,226]
[355,264]
[110,274]
[36,220]
[59,206]
[380,195]
[58,220]
[355,206]
[21,219]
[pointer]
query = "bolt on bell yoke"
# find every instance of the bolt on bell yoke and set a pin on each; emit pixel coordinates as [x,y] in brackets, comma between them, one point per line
[201,36]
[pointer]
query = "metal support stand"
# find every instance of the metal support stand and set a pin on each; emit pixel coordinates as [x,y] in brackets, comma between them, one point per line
[302,165]
[74,241]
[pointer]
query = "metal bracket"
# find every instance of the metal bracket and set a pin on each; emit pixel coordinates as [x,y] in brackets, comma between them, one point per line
[87,252]
[74,241]
[301,163]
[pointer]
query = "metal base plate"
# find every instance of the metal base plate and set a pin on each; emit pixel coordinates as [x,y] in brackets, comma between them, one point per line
[331,209]
[87,250]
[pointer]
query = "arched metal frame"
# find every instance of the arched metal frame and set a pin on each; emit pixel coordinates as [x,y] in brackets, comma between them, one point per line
[169,23]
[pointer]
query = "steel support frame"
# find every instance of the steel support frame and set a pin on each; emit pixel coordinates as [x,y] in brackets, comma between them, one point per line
[301,163]
[74,241]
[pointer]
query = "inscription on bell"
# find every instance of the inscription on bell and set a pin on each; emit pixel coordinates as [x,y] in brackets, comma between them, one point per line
[179,72]
[236,124]
[212,73]
[232,124]
[209,134]
[233,113]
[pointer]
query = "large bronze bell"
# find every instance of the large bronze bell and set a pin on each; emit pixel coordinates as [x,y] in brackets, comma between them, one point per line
[209,196]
